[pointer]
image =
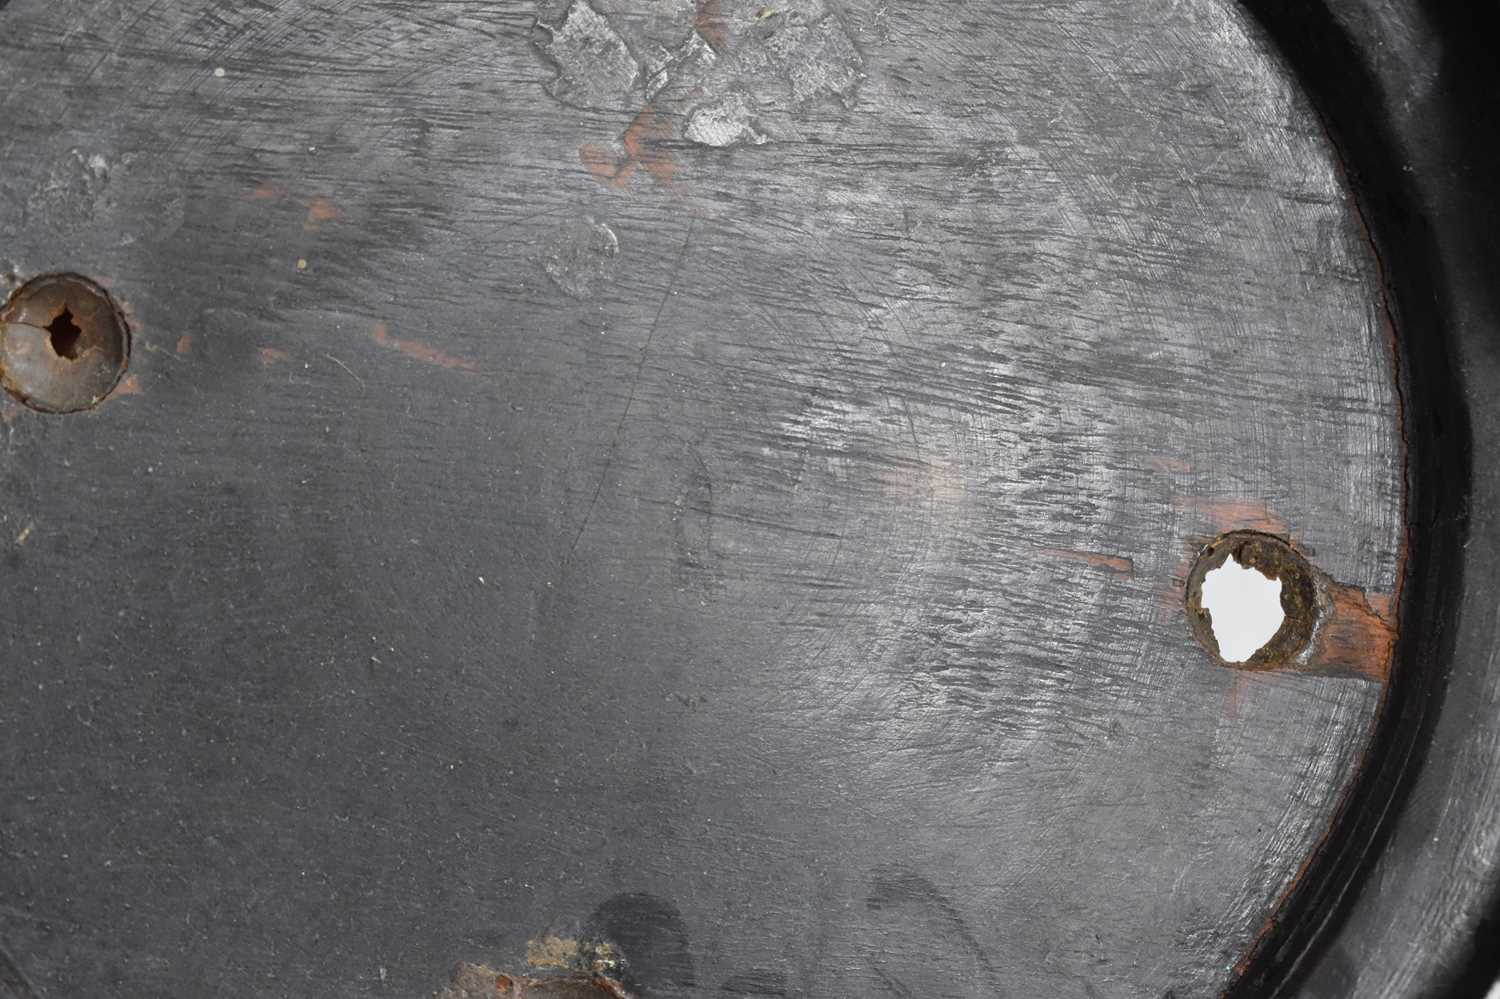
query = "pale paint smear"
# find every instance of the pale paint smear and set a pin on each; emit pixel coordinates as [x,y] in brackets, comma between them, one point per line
[1245,605]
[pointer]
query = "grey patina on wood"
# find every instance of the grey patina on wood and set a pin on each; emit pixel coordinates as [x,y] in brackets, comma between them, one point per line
[718,478]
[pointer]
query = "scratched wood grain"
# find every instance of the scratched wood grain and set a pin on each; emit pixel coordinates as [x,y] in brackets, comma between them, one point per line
[716,477]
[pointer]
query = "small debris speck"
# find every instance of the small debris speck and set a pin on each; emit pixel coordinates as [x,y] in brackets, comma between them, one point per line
[301,264]
[219,72]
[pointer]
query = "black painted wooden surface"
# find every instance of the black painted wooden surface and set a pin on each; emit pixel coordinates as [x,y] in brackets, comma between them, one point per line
[1408,89]
[741,516]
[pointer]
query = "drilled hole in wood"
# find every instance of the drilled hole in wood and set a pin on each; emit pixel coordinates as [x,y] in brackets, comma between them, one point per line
[1252,600]
[64,344]
[65,335]
[1244,608]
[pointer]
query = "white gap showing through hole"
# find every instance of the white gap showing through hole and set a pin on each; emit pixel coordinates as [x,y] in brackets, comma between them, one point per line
[1245,607]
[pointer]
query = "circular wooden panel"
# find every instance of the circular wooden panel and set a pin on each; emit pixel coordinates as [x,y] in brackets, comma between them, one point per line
[712,481]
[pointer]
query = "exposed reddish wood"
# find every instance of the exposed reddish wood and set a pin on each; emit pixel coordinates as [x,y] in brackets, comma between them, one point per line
[1232,514]
[419,351]
[1113,563]
[1166,463]
[642,145]
[606,166]
[710,24]
[1358,636]
[320,210]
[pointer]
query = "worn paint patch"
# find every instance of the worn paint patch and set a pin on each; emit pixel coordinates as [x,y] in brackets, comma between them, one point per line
[118,198]
[595,68]
[580,255]
[819,60]
[552,952]
[694,59]
[688,64]
[725,122]
[710,74]
[573,954]
[480,981]
[419,351]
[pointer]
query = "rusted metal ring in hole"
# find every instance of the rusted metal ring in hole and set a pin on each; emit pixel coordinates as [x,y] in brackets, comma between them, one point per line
[64,344]
[1277,559]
